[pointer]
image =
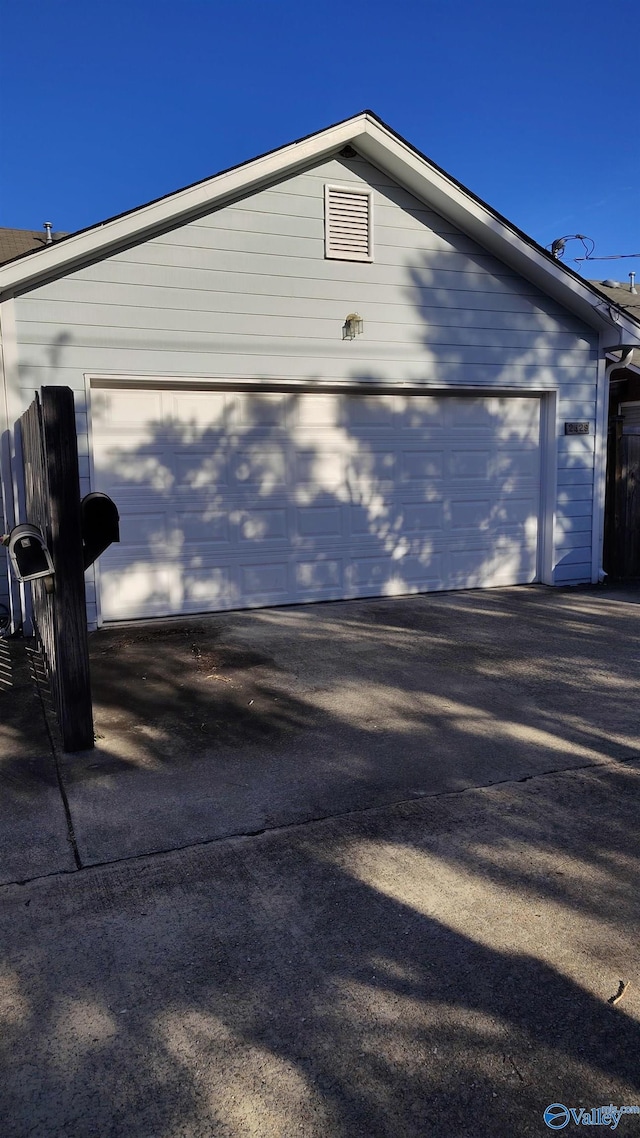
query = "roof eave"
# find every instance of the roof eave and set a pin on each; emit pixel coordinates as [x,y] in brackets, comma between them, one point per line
[374,140]
[495,234]
[176,208]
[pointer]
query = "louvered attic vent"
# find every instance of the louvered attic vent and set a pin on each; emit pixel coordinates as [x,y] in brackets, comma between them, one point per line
[348,224]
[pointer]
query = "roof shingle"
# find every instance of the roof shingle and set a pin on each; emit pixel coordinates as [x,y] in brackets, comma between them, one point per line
[621,295]
[15,242]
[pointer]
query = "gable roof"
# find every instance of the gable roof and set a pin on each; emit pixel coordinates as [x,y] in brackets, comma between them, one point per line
[380,145]
[15,242]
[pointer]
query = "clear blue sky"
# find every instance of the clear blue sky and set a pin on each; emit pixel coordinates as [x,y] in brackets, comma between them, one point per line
[531,105]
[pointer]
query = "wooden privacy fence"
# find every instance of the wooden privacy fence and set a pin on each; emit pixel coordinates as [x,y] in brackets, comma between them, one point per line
[628,507]
[52,501]
[622,529]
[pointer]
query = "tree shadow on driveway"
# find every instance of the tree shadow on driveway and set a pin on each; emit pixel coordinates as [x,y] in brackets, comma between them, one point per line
[441,965]
[240,722]
[348,977]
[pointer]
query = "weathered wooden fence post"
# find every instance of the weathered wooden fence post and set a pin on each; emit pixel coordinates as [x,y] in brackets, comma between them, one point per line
[52,495]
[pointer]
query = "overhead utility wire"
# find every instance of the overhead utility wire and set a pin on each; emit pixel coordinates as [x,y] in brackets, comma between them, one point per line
[557,248]
[613,257]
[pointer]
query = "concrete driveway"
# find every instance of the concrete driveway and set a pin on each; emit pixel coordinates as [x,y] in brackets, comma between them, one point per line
[426,938]
[240,723]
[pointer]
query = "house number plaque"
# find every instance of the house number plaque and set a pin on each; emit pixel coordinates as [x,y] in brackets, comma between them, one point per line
[576,428]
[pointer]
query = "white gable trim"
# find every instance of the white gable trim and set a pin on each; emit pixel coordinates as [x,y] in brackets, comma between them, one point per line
[494,233]
[173,210]
[383,148]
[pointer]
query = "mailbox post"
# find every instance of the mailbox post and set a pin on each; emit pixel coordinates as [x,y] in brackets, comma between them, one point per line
[75,535]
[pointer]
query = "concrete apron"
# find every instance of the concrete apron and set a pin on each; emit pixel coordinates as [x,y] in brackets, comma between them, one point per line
[443,966]
[244,722]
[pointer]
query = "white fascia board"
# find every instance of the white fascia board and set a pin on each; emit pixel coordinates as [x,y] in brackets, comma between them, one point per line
[376,142]
[55,260]
[446,197]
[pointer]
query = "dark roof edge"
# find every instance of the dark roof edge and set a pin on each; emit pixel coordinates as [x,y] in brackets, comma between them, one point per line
[200,182]
[525,237]
[460,186]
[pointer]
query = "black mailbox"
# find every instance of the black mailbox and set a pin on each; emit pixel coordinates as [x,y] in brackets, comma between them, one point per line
[29,554]
[100,525]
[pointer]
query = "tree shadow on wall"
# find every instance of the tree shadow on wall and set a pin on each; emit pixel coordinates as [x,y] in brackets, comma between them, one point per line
[210,512]
[504,333]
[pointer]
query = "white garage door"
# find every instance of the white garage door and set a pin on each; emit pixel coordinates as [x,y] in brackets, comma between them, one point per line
[232,499]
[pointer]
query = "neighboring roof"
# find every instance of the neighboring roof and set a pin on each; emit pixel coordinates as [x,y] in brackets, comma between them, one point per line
[380,145]
[14,242]
[621,295]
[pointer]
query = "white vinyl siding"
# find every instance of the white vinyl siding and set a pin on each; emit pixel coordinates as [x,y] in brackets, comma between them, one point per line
[348,224]
[246,292]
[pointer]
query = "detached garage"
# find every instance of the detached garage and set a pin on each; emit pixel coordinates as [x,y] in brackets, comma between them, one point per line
[331,372]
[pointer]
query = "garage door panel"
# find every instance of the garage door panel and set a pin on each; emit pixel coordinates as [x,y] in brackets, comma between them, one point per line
[263,469]
[142,529]
[204,589]
[506,416]
[203,527]
[378,521]
[262,525]
[467,463]
[487,514]
[265,579]
[395,577]
[198,411]
[372,413]
[482,566]
[198,469]
[126,407]
[424,413]
[317,411]
[371,474]
[266,410]
[422,465]
[515,511]
[470,515]
[521,464]
[517,416]
[321,470]
[319,577]
[142,590]
[232,499]
[423,517]
[367,521]
[125,469]
[320,522]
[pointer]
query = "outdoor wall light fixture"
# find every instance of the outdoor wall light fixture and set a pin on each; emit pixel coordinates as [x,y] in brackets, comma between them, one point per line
[352,326]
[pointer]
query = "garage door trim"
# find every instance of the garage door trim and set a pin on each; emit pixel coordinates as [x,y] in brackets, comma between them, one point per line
[548,443]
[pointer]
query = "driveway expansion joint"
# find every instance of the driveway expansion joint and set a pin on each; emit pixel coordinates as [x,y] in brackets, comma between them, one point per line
[238,835]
